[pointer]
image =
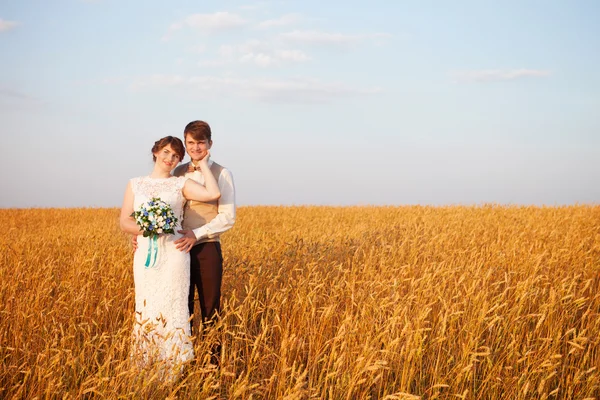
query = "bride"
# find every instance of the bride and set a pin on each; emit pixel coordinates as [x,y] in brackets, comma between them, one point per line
[161,333]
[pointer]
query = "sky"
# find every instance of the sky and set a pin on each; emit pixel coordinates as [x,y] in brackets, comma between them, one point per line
[310,102]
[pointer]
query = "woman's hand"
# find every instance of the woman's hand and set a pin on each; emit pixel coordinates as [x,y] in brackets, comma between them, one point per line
[204,161]
[192,190]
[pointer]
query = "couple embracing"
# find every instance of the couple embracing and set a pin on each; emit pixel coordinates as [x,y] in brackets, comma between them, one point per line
[201,195]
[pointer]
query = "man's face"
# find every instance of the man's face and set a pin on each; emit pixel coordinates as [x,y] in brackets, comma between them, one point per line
[197,149]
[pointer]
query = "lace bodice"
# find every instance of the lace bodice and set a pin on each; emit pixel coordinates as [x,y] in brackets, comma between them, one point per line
[168,189]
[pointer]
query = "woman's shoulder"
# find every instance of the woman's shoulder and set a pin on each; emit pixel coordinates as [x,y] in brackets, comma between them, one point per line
[134,183]
[136,179]
[181,181]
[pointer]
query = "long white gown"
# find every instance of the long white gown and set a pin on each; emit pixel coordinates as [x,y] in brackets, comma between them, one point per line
[161,333]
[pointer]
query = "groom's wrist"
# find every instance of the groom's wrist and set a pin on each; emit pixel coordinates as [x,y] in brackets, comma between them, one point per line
[200,233]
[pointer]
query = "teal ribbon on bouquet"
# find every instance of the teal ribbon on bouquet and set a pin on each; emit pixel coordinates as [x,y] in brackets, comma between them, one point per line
[152,248]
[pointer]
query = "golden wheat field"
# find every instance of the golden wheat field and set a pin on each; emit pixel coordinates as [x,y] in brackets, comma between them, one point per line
[486,302]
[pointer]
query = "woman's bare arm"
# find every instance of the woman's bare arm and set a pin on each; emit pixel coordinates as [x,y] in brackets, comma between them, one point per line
[126,221]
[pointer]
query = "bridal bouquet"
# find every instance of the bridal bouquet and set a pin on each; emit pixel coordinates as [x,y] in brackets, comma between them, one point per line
[155,217]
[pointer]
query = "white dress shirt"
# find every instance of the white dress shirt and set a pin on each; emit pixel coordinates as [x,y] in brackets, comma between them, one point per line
[226,204]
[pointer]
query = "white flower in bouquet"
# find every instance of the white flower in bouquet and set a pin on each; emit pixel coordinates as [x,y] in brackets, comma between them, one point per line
[155,217]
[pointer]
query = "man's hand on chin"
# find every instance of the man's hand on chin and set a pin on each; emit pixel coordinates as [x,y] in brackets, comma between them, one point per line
[186,242]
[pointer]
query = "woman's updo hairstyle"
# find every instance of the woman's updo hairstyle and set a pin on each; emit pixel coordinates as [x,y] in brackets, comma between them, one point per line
[176,145]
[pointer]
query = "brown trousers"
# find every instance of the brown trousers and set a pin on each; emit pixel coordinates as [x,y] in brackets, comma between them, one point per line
[206,274]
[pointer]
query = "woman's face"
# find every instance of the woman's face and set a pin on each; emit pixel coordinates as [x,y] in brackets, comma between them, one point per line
[167,158]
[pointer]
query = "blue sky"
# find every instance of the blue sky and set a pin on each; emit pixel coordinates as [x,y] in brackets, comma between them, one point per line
[335,103]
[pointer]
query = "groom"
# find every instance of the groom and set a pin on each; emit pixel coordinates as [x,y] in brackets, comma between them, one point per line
[203,223]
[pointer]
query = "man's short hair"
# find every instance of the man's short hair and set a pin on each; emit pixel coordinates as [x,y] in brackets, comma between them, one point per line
[199,130]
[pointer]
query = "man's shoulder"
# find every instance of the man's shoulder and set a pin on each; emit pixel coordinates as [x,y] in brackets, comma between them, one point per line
[180,170]
[221,168]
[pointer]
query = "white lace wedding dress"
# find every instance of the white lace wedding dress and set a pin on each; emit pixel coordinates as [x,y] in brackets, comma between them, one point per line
[161,333]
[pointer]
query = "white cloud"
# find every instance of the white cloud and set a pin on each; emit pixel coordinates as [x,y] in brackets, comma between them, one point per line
[158,80]
[262,89]
[326,38]
[251,46]
[260,59]
[260,53]
[213,63]
[215,22]
[284,20]
[496,75]
[293,55]
[226,51]
[7,25]
[275,59]
[207,23]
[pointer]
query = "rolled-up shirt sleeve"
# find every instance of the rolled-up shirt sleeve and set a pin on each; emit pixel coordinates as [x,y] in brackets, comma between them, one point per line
[226,209]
